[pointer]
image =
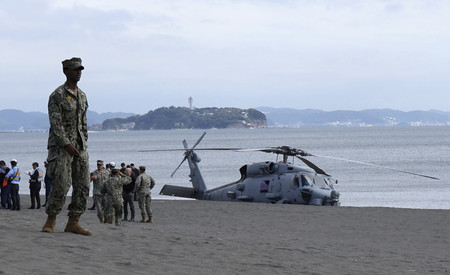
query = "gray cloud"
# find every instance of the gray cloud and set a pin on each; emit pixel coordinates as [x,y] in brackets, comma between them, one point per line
[318,54]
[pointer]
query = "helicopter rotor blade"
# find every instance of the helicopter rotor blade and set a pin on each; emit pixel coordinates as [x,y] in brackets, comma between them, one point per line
[176,169]
[313,166]
[379,166]
[198,149]
[281,150]
[199,140]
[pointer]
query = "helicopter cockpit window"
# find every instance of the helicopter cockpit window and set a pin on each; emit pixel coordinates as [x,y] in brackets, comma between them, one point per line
[264,186]
[322,182]
[327,182]
[307,181]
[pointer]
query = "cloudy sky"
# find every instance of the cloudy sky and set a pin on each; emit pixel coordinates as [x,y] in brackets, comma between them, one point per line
[140,55]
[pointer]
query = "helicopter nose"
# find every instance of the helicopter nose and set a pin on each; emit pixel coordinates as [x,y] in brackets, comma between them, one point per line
[334,194]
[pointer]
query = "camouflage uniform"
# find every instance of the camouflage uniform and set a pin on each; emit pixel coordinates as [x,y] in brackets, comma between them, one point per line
[68,125]
[114,198]
[143,185]
[99,191]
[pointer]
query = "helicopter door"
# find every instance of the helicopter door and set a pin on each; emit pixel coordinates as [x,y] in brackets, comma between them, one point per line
[275,186]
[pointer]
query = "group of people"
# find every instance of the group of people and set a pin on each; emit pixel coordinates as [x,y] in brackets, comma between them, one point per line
[114,190]
[10,179]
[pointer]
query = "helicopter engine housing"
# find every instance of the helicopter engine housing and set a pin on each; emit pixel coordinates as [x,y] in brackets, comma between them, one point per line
[261,169]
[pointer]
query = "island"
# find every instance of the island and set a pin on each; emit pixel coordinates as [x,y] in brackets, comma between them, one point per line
[166,118]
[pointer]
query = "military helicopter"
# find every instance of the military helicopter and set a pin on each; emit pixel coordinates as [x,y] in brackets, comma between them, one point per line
[265,182]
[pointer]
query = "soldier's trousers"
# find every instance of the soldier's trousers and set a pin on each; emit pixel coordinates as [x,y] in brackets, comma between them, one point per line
[99,201]
[116,211]
[66,170]
[145,201]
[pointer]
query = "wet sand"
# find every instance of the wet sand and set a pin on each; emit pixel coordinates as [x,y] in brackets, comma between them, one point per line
[204,237]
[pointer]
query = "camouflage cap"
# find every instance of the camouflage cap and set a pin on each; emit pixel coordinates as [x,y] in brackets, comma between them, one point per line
[115,171]
[73,63]
[100,162]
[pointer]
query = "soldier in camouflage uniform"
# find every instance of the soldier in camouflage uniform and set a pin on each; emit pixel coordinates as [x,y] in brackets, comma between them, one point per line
[68,160]
[99,178]
[114,197]
[144,183]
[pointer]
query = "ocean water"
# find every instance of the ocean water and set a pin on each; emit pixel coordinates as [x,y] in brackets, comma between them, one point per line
[422,150]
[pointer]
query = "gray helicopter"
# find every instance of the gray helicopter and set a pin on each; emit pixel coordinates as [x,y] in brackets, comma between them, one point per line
[266,182]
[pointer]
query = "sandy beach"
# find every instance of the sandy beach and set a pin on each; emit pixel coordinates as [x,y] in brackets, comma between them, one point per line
[204,237]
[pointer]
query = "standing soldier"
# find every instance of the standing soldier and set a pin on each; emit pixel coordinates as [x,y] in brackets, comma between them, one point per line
[68,160]
[99,178]
[114,189]
[36,179]
[144,183]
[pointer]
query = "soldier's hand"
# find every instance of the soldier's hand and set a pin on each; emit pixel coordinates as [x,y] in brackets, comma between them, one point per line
[72,150]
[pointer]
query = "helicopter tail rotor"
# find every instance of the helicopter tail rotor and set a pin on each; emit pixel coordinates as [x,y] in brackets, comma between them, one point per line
[188,152]
[198,141]
[179,165]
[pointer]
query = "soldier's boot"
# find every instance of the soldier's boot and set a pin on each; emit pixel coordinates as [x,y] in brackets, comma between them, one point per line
[143,220]
[49,225]
[74,227]
[150,219]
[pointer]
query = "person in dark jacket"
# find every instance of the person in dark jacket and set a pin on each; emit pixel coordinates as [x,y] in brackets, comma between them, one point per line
[128,194]
[36,179]
[6,198]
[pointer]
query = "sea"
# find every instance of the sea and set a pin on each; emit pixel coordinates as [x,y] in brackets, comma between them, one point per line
[422,150]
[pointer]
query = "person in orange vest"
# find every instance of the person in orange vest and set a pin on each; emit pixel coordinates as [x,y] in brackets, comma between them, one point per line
[36,179]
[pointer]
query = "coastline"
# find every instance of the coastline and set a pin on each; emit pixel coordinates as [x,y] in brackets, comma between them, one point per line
[228,238]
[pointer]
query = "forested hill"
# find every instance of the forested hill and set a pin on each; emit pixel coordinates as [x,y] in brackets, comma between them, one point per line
[186,118]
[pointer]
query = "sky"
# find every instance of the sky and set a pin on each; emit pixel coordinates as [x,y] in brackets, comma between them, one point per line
[140,55]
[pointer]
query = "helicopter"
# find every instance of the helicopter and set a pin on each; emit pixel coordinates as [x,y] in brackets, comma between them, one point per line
[279,182]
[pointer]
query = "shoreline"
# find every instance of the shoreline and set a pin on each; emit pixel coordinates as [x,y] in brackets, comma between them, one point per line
[202,237]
